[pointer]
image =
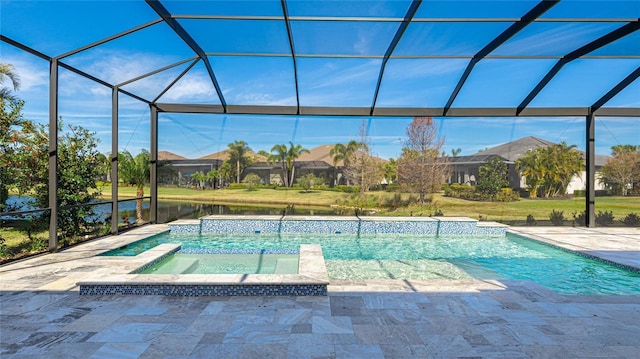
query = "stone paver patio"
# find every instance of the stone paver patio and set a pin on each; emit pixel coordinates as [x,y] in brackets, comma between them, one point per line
[42,314]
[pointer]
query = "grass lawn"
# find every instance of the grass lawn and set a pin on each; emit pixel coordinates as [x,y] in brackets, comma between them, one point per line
[512,212]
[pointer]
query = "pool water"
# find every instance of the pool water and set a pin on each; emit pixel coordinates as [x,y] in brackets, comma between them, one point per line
[204,263]
[394,256]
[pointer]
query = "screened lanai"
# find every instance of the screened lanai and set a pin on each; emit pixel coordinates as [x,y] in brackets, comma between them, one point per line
[163,69]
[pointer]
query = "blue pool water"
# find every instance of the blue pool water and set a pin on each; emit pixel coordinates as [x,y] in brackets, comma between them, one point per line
[393,256]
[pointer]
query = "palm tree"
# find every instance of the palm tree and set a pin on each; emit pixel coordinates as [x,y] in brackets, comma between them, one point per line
[278,155]
[292,154]
[211,176]
[238,151]
[200,178]
[7,71]
[549,170]
[344,153]
[390,170]
[531,168]
[226,173]
[135,171]
[286,157]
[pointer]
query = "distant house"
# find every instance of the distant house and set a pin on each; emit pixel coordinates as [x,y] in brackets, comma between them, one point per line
[465,169]
[317,161]
[177,170]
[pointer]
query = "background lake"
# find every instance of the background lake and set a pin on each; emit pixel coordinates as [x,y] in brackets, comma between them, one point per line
[172,210]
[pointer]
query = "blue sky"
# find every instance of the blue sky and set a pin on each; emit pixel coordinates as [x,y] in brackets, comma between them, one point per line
[54,28]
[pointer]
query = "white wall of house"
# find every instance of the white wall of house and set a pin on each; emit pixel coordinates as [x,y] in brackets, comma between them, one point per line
[579,182]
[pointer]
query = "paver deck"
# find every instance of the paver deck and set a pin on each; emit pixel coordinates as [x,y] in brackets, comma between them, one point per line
[42,314]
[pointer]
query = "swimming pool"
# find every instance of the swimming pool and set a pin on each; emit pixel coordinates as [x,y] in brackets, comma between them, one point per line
[401,256]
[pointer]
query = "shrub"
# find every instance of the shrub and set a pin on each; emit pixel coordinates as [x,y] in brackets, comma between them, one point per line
[471,193]
[580,218]
[308,181]
[530,220]
[251,180]
[507,195]
[3,248]
[237,185]
[557,217]
[604,218]
[456,190]
[347,189]
[631,220]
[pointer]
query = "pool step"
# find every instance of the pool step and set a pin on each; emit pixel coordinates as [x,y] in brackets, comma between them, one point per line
[179,265]
[286,266]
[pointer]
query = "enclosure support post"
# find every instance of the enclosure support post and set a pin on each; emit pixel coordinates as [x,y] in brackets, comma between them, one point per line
[114,161]
[153,171]
[590,193]
[53,155]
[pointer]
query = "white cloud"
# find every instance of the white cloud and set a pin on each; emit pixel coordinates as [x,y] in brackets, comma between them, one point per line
[33,75]
[191,88]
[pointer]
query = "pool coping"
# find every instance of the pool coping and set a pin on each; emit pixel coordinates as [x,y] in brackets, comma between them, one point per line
[581,241]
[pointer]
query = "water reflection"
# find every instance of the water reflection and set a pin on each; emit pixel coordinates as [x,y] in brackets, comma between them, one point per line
[170,211]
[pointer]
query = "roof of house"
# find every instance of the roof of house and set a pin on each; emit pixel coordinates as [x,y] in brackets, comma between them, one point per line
[512,151]
[224,155]
[477,159]
[320,153]
[169,156]
[263,165]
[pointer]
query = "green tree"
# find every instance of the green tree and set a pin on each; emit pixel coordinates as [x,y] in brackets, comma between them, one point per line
[551,168]
[12,137]
[211,176]
[238,157]
[226,173]
[10,122]
[77,170]
[622,170]
[200,179]
[533,170]
[8,72]
[455,152]
[135,171]
[251,180]
[104,162]
[309,180]
[493,177]
[420,167]
[286,158]
[345,153]
[390,169]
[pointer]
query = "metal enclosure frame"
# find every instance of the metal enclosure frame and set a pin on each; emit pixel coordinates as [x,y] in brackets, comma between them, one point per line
[627,27]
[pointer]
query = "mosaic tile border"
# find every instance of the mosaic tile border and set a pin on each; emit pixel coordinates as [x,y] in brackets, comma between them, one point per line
[160,258]
[378,225]
[214,290]
[240,251]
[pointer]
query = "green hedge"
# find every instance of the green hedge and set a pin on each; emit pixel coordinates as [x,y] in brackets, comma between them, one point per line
[471,193]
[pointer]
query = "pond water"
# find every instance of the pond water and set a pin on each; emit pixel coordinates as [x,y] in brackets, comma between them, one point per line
[172,210]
